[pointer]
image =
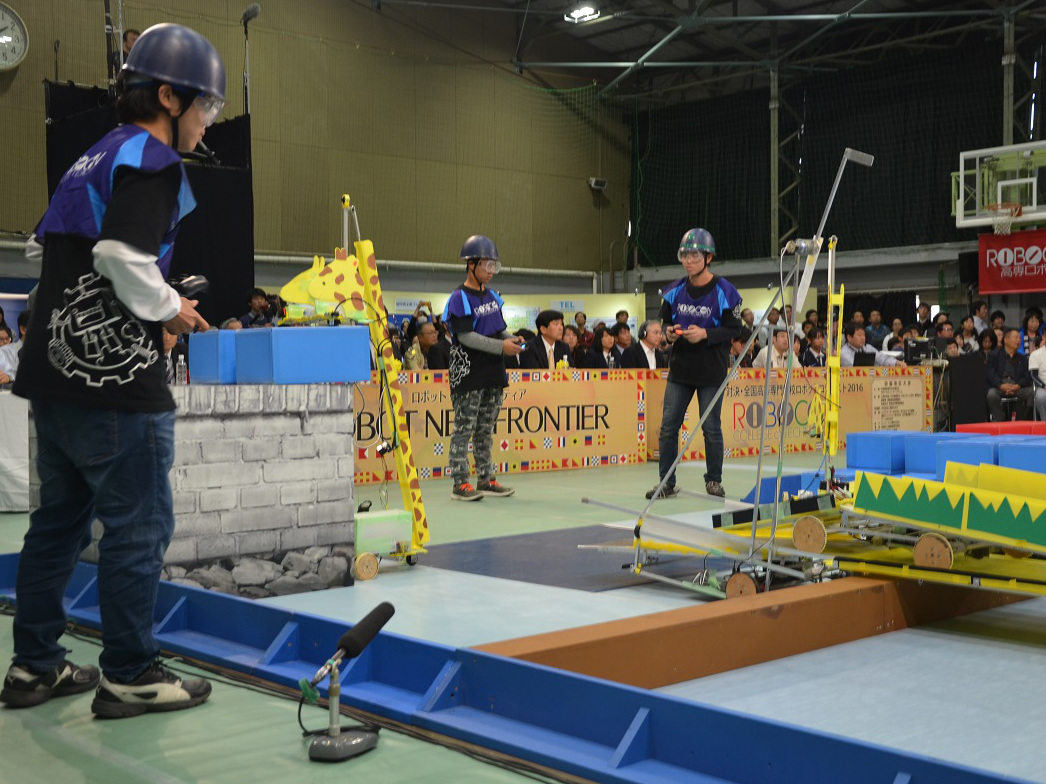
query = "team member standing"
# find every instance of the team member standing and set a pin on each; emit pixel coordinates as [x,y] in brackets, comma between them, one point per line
[702,313]
[104,416]
[477,368]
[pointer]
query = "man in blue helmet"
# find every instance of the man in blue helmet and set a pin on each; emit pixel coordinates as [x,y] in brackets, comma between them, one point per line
[93,370]
[701,313]
[477,369]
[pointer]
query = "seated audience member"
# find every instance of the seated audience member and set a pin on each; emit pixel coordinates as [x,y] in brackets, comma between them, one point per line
[813,317]
[748,319]
[737,348]
[1037,370]
[858,318]
[417,356]
[439,354]
[814,355]
[601,355]
[260,314]
[572,337]
[856,344]
[773,316]
[925,324]
[875,331]
[23,326]
[776,354]
[231,323]
[951,348]
[621,317]
[548,350]
[999,332]
[896,331]
[580,321]
[1031,331]
[997,319]
[987,342]
[1007,374]
[979,316]
[944,329]
[622,339]
[8,356]
[645,353]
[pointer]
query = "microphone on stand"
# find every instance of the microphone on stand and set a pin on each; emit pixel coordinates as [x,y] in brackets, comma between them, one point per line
[356,639]
[250,12]
[339,744]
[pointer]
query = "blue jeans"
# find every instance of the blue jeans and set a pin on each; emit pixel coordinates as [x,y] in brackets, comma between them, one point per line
[677,398]
[112,465]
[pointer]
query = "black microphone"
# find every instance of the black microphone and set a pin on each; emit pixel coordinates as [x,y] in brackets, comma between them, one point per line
[207,153]
[250,12]
[357,638]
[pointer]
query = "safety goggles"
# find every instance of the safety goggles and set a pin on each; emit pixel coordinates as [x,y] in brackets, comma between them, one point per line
[209,107]
[689,256]
[493,266]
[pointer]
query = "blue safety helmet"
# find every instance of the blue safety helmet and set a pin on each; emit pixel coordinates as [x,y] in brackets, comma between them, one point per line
[696,240]
[479,247]
[180,57]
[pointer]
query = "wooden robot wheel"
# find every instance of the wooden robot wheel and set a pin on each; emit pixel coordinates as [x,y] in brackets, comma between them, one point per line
[365,566]
[933,551]
[809,534]
[741,584]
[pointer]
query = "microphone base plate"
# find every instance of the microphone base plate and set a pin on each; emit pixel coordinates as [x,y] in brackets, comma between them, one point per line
[345,745]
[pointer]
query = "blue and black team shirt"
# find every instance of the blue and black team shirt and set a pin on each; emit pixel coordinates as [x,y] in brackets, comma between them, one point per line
[716,307]
[83,345]
[470,310]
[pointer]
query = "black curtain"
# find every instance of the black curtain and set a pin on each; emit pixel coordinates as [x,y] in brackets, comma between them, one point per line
[217,239]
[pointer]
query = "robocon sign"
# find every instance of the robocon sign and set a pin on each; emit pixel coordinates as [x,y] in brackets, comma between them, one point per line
[1012,263]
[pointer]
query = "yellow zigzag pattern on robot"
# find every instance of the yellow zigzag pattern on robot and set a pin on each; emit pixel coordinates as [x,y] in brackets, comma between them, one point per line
[988,502]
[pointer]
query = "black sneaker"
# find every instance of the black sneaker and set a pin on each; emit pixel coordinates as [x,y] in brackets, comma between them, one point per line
[465,492]
[714,488]
[157,689]
[494,488]
[24,688]
[666,492]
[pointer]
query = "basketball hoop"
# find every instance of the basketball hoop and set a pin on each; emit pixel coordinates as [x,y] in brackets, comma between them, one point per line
[1002,215]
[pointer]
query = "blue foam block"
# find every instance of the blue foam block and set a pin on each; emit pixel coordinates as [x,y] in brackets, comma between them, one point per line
[920,452]
[212,357]
[1027,455]
[972,451]
[302,355]
[879,451]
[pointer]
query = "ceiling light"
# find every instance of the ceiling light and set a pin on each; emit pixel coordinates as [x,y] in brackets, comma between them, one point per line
[583,13]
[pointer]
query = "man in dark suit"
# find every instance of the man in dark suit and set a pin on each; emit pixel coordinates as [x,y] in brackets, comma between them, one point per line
[547,349]
[439,354]
[1006,371]
[622,339]
[645,353]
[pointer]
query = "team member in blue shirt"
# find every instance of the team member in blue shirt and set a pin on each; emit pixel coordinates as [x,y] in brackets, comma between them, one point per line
[93,369]
[701,313]
[477,369]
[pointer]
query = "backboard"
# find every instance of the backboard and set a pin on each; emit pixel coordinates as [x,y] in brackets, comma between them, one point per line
[1016,173]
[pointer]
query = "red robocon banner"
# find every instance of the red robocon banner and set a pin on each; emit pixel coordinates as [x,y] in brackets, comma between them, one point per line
[1012,263]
